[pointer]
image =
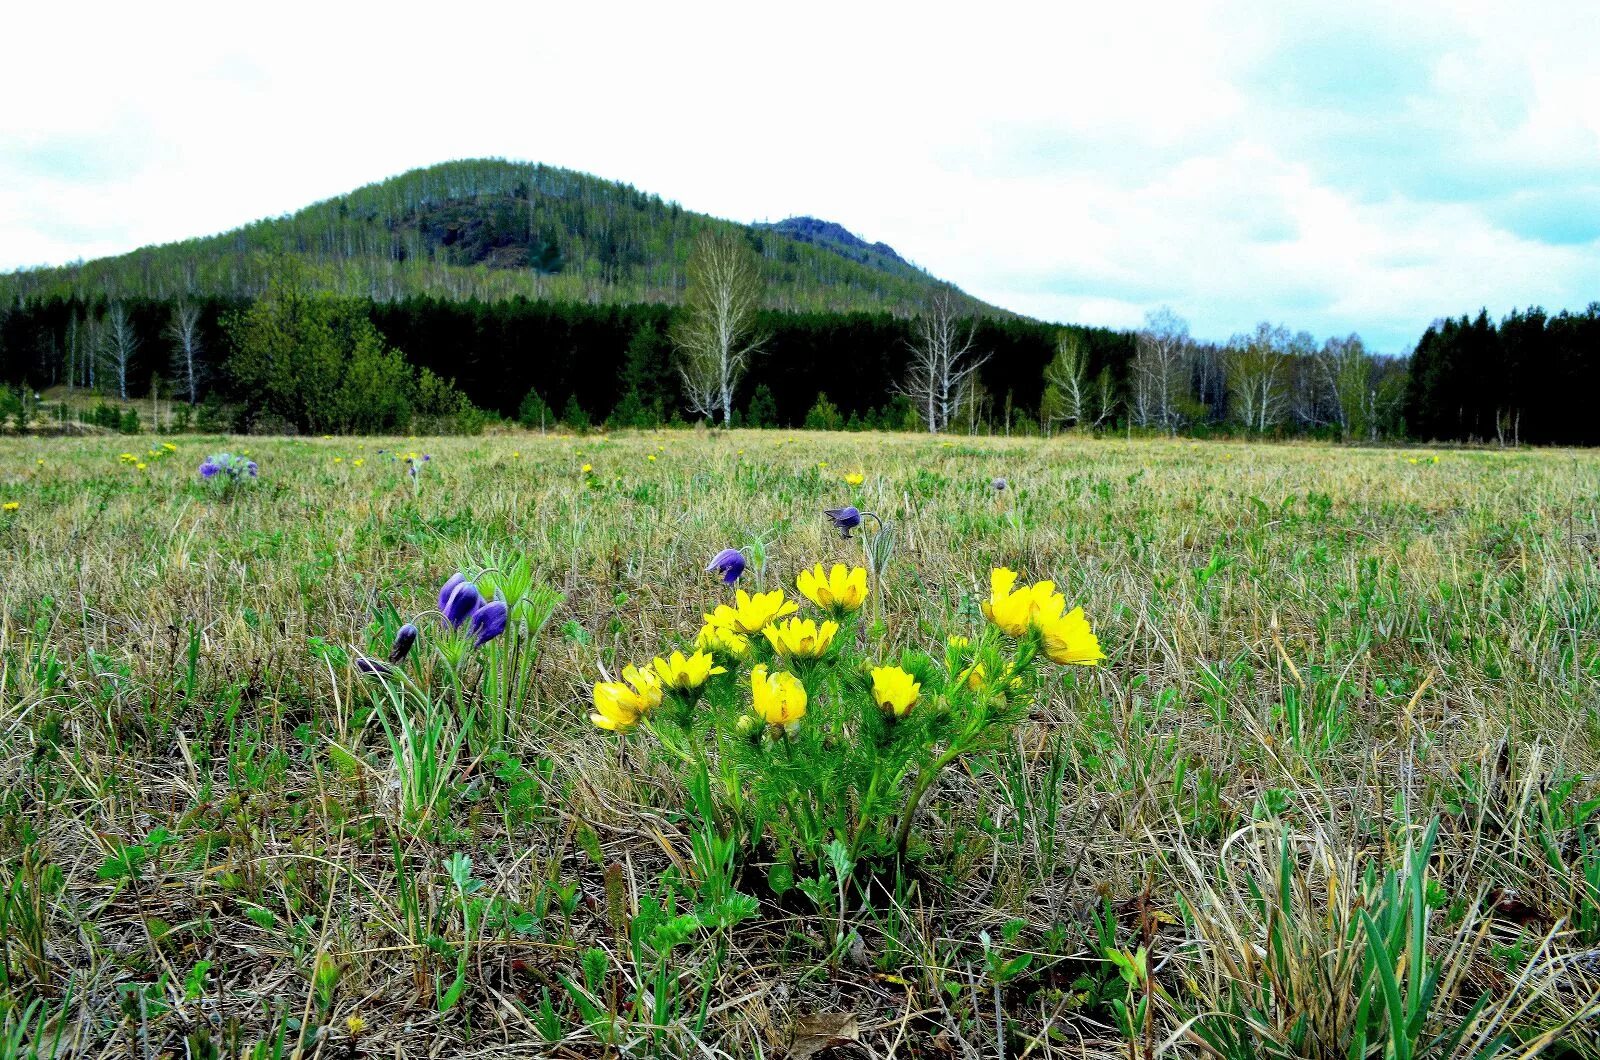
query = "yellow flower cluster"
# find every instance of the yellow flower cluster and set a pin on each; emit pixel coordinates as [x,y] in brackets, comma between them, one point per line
[1065,635]
[778,697]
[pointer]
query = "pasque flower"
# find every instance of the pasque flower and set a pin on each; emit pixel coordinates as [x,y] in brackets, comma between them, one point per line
[801,637]
[618,705]
[403,642]
[458,599]
[488,621]
[844,519]
[750,613]
[842,589]
[686,673]
[894,690]
[779,698]
[729,564]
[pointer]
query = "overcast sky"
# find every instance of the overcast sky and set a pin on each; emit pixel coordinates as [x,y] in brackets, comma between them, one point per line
[1335,167]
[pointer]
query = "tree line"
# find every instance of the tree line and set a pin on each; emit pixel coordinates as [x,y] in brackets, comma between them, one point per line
[300,359]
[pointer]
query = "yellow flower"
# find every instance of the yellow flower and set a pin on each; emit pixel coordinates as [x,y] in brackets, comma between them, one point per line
[169,447]
[357,462]
[801,637]
[618,705]
[894,689]
[651,458]
[844,589]
[12,506]
[973,676]
[822,463]
[355,1025]
[586,468]
[338,460]
[1069,640]
[855,478]
[723,641]
[780,699]
[515,453]
[957,641]
[683,674]
[138,467]
[750,614]
[1014,610]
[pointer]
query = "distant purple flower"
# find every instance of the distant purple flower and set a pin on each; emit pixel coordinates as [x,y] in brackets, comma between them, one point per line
[372,667]
[458,599]
[402,643]
[232,467]
[998,484]
[844,519]
[488,622]
[729,563]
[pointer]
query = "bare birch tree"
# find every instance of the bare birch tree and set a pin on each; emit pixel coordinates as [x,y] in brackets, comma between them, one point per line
[943,364]
[185,332]
[1071,397]
[120,345]
[1344,373]
[1258,376]
[716,335]
[1159,374]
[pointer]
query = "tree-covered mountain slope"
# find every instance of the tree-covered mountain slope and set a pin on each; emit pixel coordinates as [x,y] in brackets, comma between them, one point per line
[490,229]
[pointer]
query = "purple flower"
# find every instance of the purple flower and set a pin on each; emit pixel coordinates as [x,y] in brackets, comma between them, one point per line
[458,599]
[729,563]
[488,622]
[209,470]
[844,519]
[998,484]
[372,667]
[402,643]
[250,466]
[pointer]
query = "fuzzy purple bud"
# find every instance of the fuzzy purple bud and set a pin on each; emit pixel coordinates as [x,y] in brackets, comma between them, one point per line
[458,599]
[372,667]
[729,563]
[844,519]
[488,622]
[998,484]
[402,643]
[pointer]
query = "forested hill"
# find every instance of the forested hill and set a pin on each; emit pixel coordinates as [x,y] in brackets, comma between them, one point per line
[490,229]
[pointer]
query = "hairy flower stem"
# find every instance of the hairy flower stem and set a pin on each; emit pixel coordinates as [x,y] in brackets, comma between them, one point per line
[924,782]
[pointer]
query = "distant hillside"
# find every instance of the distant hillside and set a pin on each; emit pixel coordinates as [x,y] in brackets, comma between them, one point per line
[491,229]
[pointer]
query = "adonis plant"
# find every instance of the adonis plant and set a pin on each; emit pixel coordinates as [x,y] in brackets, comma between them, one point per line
[818,740]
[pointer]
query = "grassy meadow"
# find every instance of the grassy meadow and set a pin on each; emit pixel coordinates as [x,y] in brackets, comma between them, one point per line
[1333,792]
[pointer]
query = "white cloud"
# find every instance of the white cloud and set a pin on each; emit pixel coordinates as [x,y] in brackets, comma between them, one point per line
[1360,172]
